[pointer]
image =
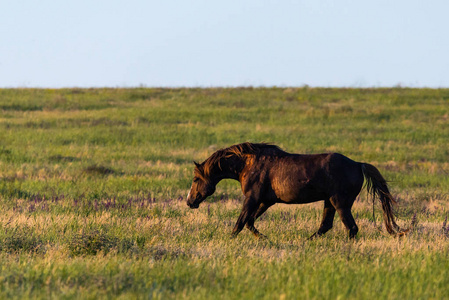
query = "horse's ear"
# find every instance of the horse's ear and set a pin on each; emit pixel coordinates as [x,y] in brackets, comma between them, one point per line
[196,164]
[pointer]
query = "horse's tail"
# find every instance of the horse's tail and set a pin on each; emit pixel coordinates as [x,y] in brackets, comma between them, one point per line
[377,186]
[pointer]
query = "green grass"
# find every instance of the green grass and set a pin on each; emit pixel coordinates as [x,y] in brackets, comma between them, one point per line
[93,185]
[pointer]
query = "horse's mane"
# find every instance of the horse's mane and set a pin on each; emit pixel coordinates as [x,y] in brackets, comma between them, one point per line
[238,150]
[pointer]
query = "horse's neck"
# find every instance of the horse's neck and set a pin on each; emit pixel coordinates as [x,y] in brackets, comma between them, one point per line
[229,168]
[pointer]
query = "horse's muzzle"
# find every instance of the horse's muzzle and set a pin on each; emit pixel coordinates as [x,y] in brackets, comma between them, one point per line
[193,205]
[194,202]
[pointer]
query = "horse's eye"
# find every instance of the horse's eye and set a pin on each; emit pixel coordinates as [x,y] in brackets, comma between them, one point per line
[195,179]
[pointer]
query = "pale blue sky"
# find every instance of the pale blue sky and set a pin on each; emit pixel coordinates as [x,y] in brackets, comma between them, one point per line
[57,43]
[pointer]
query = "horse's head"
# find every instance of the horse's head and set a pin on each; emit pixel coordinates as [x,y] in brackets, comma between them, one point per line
[202,187]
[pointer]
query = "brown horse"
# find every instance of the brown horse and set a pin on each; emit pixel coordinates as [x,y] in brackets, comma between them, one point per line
[269,175]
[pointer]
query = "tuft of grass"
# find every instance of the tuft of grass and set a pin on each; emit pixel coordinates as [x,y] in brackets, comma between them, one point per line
[90,242]
[61,158]
[20,239]
[98,170]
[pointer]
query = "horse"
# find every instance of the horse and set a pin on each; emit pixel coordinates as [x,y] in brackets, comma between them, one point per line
[269,175]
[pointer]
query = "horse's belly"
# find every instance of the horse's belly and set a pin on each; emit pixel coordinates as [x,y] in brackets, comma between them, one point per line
[301,192]
[300,198]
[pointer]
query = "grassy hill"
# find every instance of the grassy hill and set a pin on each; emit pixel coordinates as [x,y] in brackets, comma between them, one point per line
[93,185]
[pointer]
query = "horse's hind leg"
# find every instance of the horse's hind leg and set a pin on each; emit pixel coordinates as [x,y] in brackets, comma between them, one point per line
[347,219]
[328,220]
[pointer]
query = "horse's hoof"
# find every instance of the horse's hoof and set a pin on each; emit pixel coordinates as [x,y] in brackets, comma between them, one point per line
[313,236]
[261,236]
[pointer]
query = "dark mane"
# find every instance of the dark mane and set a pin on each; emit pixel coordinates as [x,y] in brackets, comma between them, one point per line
[239,150]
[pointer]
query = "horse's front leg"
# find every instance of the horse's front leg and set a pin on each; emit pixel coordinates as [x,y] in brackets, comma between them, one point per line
[250,224]
[249,209]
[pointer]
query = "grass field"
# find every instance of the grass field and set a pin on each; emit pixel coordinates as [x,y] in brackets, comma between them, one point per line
[93,185]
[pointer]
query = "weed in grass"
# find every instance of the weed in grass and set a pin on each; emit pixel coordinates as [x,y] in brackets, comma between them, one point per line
[20,239]
[445,228]
[90,242]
